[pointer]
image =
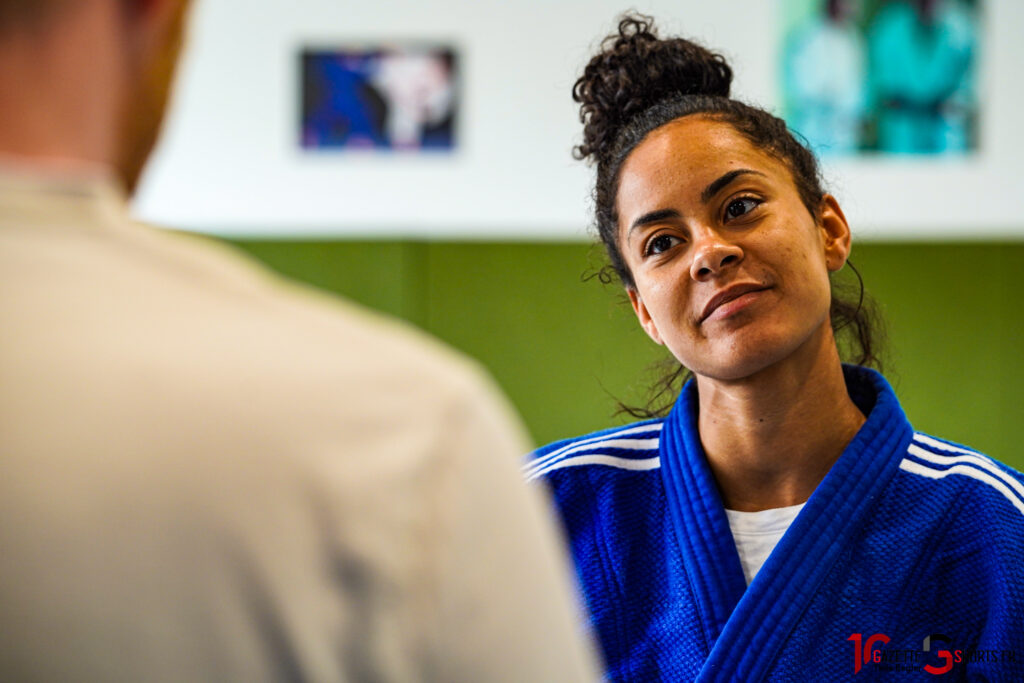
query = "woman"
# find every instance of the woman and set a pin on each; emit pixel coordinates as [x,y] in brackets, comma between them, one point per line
[866,546]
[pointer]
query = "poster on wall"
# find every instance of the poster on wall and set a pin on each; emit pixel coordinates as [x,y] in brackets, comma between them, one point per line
[888,77]
[383,98]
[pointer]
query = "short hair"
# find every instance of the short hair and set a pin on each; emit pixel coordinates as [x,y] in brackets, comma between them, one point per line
[15,13]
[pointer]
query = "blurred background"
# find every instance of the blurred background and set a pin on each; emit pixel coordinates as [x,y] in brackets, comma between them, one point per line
[416,158]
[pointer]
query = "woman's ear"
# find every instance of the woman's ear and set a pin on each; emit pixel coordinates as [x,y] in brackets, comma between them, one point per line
[643,315]
[835,232]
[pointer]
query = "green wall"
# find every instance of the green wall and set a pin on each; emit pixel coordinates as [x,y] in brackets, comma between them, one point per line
[564,349]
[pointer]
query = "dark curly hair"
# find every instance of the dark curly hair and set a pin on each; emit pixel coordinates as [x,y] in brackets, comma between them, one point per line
[639,82]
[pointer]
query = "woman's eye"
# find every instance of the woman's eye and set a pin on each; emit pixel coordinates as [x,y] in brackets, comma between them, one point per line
[740,207]
[661,243]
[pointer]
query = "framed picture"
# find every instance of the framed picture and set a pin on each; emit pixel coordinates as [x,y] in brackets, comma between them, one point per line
[383,98]
[882,76]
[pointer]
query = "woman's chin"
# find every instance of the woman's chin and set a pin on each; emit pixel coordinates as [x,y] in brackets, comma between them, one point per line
[739,361]
[736,370]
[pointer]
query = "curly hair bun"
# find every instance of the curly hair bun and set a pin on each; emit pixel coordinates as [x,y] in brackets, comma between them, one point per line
[635,70]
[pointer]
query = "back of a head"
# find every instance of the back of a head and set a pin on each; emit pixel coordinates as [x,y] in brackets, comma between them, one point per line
[15,14]
[87,80]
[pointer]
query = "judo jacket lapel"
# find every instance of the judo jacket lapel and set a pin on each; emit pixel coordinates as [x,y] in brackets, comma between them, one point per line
[746,628]
[709,553]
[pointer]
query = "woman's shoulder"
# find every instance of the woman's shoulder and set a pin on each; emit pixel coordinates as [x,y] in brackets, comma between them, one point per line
[966,512]
[631,447]
[995,488]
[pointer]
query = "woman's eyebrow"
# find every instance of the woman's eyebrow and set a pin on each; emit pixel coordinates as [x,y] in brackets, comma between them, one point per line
[652,217]
[719,183]
[713,188]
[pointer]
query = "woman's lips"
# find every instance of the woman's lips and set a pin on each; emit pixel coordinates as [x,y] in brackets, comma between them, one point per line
[731,300]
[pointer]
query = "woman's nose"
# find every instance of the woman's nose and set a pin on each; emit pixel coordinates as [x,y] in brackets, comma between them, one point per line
[712,256]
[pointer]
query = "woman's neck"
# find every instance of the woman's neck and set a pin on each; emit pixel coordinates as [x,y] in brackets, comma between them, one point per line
[771,438]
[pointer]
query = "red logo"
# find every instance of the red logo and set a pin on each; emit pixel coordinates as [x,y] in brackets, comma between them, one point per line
[867,653]
[945,655]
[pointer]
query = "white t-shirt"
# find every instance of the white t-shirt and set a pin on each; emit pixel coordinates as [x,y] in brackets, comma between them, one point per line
[757,533]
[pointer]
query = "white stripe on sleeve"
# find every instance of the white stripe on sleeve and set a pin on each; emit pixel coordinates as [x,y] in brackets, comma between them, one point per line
[908,465]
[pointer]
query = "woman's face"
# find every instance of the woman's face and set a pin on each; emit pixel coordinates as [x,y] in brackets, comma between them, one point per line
[730,268]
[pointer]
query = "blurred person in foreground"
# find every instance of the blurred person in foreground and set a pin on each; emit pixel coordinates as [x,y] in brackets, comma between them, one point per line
[205,473]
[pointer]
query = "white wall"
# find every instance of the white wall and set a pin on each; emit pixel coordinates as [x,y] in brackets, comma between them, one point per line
[229,162]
